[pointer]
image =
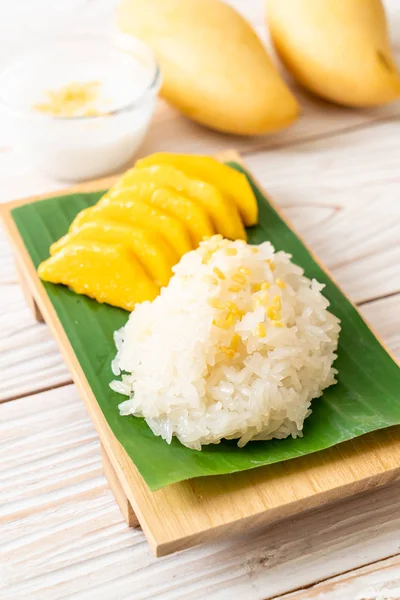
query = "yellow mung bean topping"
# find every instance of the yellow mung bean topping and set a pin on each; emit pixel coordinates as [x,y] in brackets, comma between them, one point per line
[261,330]
[219,273]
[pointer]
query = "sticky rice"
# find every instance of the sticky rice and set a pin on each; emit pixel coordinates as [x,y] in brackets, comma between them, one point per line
[235,347]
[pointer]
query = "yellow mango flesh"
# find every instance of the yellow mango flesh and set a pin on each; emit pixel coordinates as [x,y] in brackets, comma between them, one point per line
[81,218]
[138,214]
[149,247]
[186,210]
[144,224]
[108,274]
[228,181]
[223,214]
[215,69]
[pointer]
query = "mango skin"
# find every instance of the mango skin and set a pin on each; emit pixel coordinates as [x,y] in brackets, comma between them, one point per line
[337,49]
[215,69]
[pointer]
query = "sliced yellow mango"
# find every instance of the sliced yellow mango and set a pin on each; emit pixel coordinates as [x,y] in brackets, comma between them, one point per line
[149,247]
[109,274]
[139,214]
[228,181]
[81,217]
[223,214]
[192,213]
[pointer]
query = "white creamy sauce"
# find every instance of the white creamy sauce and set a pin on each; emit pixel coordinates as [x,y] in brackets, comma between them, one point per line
[86,147]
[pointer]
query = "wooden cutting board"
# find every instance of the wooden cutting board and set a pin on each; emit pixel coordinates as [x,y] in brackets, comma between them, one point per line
[198,510]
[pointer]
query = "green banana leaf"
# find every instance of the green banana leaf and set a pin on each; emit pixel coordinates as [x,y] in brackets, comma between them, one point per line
[366,397]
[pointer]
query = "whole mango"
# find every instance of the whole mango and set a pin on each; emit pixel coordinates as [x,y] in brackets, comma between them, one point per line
[337,49]
[215,69]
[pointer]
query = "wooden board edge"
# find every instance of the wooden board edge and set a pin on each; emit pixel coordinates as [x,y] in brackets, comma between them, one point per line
[113,448]
[280,514]
[88,186]
[115,485]
[115,452]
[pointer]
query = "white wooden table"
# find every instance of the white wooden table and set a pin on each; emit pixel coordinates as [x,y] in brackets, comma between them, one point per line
[336,174]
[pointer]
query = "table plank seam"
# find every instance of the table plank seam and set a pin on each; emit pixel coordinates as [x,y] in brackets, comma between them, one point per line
[37,391]
[377,298]
[395,118]
[352,572]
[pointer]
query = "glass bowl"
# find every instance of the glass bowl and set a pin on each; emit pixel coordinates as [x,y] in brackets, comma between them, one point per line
[83,147]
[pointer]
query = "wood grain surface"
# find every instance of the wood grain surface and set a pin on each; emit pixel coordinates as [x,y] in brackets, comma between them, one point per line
[62,534]
[379,581]
[335,174]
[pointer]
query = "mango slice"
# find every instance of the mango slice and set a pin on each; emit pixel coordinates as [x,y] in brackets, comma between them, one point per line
[190,212]
[223,214]
[230,182]
[139,214]
[81,218]
[109,274]
[149,247]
